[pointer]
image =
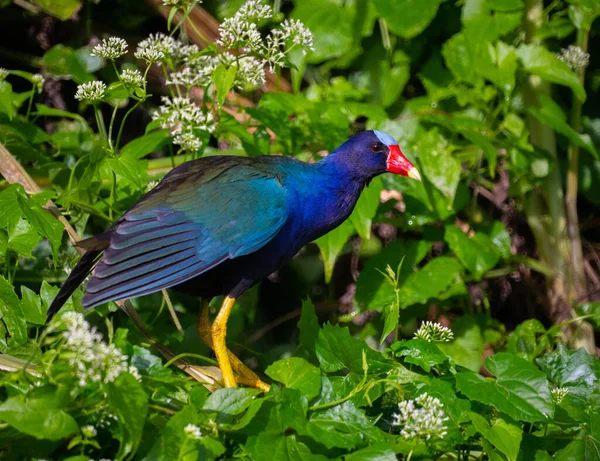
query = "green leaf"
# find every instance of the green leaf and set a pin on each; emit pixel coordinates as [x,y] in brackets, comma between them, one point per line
[330,24]
[22,238]
[537,60]
[61,9]
[366,208]
[331,245]
[128,168]
[297,373]
[62,61]
[224,78]
[172,437]
[520,390]
[43,222]
[431,281]
[419,352]
[231,400]
[373,292]
[43,110]
[375,452]
[308,327]
[550,113]
[129,402]
[407,18]
[438,165]
[6,99]
[337,350]
[467,348]
[489,150]
[506,437]
[146,144]
[31,307]
[11,313]
[38,417]
[478,253]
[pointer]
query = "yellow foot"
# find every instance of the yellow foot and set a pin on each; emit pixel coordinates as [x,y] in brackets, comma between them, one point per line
[207,333]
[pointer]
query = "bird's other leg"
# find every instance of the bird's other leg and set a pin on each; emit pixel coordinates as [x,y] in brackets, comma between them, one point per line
[246,376]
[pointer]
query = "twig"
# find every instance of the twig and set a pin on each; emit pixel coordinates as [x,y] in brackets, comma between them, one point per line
[172,312]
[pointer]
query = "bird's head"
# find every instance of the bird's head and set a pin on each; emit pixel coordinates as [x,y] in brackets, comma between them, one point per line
[373,152]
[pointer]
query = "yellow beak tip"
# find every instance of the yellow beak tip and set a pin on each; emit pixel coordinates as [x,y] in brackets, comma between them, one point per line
[413,173]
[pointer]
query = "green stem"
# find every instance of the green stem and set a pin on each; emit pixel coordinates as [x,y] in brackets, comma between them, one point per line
[117,142]
[110,127]
[30,103]
[100,122]
[576,254]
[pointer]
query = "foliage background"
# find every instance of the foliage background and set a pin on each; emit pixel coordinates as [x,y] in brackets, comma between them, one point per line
[499,242]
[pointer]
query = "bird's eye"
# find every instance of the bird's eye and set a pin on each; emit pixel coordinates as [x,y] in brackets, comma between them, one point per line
[378,147]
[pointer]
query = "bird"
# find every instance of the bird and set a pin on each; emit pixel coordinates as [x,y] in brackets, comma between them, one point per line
[218,225]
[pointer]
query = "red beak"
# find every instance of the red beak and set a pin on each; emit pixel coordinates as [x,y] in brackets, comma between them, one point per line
[397,163]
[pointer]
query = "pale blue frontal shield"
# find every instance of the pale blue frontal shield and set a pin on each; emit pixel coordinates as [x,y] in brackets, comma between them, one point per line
[385,138]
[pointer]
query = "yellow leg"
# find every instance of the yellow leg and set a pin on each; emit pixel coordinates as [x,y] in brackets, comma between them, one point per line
[246,376]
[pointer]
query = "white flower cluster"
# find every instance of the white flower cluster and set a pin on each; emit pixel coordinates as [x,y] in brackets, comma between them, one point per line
[38,81]
[434,332]
[192,431]
[89,431]
[132,77]
[3,74]
[91,358]
[183,118]
[91,91]
[575,57]
[421,418]
[558,394]
[110,48]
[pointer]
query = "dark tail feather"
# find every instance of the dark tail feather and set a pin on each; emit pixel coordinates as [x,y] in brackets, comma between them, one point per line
[79,273]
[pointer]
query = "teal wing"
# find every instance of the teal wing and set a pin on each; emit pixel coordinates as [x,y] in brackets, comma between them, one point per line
[200,215]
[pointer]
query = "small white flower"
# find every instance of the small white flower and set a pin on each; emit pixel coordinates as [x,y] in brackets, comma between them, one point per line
[135,372]
[237,33]
[182,115]
[3,74]
[188,141]
[558,394]
[132,77]
[423,418]
[434,332]
[90,91]
[250,73]
[110,48]
[92,360]
[575,57]
[156,48]
[254,10]
[89,431]
[178,3]
[37,80]
[188,78]
[192,431]
[298,33]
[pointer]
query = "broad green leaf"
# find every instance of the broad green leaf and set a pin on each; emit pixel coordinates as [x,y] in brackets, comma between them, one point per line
[224,78]
[520,390]
[537,60]
[366,208]
[337,350]
[22,237]
[438,165]
[62,9]
[373,292]
[11,313]
[6,99]
[330,24]
[478,253]
[231,400]
[591,310]
[467,348]
[489,150]
[43,222]
[506,437]
[63,61]
[407,18]
[129,402]
[38,417]
[128,168]
[501,238]
[308,327]
[523,341]
[375,452]
[419,352]
[31,307]
[432,280]
[146,144]
[296,373]
[550,113]
[331,245]
[44,110]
